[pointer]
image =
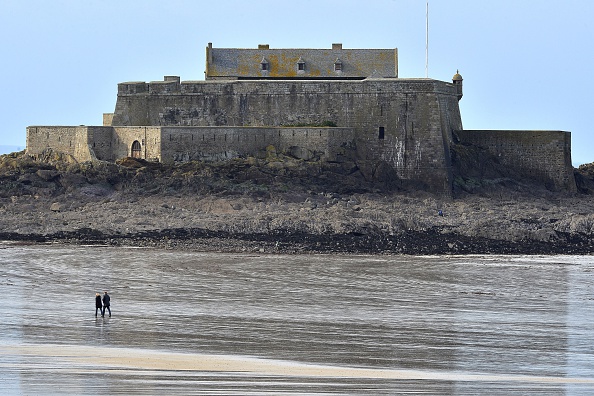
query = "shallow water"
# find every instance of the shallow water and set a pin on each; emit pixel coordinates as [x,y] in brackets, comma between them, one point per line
[204,323]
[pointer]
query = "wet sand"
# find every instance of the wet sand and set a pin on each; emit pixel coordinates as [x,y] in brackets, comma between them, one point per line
[125,359]
[247,324]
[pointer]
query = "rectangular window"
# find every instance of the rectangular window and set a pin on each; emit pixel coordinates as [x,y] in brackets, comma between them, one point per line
[381,133]
[301,66]
[264,66]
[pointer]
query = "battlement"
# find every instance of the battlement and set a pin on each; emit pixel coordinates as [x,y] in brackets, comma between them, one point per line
[173,85]
[133,88]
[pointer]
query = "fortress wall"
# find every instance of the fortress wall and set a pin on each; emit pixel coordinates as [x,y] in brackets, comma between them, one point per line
[450,120]
[107,119]
[148,137]
[221,143]
[327,143]
[410,111]
[71,140]
[100,141]
[417,132]
[540,155]
[96,142]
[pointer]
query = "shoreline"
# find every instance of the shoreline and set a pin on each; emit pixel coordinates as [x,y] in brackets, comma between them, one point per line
[284,206]
[417,243]
[122,360]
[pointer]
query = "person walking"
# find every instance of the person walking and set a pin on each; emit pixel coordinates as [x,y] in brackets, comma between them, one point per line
[98,305]
[106,304]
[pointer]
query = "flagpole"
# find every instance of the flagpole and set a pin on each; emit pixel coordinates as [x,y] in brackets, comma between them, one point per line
[427,41]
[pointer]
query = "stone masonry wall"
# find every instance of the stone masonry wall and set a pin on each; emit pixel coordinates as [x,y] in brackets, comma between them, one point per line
[148,137]
[179,144]
[404,122]
[71,140]
[222,143]
[110,144]
[100,141]
[540,155]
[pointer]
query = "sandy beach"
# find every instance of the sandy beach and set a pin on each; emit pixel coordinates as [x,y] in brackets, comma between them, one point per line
[187,322]
[127,359]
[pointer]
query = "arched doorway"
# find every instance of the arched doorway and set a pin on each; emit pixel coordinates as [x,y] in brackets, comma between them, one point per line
[136,150]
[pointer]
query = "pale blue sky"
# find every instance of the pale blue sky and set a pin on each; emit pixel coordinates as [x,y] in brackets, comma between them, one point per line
[527,64]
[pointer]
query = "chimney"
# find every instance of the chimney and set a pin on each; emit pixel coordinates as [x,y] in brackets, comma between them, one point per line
[337,46]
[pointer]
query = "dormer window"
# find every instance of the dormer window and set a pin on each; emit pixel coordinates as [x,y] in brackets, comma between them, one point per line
[264,64]
[300,65]
[337,65]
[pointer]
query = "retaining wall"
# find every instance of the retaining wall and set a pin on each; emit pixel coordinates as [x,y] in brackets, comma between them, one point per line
[540,155]
[71,140]
[219,143]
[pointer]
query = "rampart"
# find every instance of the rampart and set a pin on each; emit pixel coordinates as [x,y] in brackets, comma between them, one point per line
[72,140]
[540,155]
[89,143]
[405,122]
[180,144]
[220,143]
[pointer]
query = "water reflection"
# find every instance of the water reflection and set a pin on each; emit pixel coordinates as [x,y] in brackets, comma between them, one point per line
[471,323]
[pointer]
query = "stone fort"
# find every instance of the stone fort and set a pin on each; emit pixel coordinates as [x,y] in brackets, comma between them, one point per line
[312,104]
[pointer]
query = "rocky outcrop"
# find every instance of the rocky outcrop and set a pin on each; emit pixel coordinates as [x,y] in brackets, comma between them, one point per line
[283,204]
[584,178]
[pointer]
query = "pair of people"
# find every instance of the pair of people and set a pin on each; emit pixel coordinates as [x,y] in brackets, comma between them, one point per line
[102,304]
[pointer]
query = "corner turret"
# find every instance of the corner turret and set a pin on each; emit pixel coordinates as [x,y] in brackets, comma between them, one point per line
[457,80]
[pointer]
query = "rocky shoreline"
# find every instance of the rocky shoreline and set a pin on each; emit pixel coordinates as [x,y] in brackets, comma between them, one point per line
[284,206]
[430,242]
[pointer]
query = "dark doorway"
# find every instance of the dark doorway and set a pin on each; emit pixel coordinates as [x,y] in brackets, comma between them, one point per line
[381,133]
[136,150]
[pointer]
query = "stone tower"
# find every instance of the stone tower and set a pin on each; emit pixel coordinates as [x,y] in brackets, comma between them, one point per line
[457,80]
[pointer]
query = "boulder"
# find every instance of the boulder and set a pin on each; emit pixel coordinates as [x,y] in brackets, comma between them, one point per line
[47,174]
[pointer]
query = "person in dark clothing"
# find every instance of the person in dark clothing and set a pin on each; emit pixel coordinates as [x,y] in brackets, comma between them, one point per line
[106,299]
[98,305]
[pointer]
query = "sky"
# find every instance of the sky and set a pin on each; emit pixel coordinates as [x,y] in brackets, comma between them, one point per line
[526,64]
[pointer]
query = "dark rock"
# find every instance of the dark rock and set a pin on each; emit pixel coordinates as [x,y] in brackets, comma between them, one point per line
[47,174]
[301,153]
[584,178]
[129,162]
[324,216]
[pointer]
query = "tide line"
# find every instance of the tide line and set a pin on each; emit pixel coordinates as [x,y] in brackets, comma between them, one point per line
[143,359]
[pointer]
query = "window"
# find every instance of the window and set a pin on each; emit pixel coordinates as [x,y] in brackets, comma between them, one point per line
[264,64]
[381,133]
[301,65]
[337,65]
